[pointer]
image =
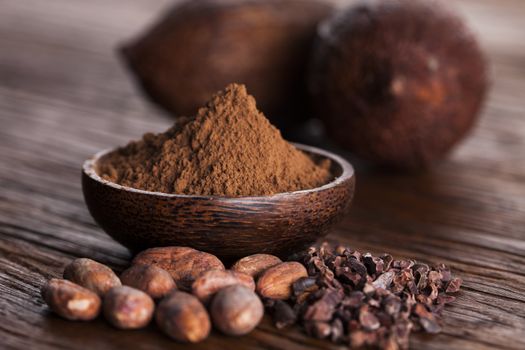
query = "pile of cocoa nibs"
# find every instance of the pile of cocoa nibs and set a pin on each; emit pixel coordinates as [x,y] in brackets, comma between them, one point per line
[364,300]
[332,293]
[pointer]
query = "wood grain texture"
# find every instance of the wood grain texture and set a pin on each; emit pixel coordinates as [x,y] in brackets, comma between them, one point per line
[65,96]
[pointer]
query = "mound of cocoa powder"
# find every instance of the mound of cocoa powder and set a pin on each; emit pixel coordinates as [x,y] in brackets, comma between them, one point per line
[228,149]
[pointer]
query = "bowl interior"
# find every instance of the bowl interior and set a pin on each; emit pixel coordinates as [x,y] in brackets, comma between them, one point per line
[340,170]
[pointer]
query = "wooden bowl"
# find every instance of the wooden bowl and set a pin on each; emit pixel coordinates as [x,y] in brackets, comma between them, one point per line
[228,227]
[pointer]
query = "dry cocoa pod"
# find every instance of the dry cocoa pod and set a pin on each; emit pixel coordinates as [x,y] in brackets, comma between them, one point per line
[254,264]
[92,275]
[183,263]
[236,310]
[128,308]
[183,317]
[151,279]
[70,300]
[263,44]
[210,282]
[381,80]
[276,282]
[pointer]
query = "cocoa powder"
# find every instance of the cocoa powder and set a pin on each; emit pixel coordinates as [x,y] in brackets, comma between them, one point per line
[228,149]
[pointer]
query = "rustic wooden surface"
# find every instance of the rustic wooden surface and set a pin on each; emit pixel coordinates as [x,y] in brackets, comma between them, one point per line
[64,96]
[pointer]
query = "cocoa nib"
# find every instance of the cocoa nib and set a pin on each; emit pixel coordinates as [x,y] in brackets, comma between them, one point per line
[427,319]
[368,320]
[360,299]
[283,314]
[384,280]
[453,285]
[323,308]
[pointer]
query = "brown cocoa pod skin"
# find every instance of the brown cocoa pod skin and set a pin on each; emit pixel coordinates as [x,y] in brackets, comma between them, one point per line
[182,317]
[276,282]
[254,264]
[128,308]
[92,275]
[70,300]
[263,44]
[184,264]
[236,310]
[401,99]
[151,279]
[210,282]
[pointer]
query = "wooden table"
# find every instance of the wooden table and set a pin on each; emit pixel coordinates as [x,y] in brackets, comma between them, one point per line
[64,96]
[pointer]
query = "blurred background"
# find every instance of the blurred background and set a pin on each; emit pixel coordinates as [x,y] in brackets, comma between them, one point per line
[62,56]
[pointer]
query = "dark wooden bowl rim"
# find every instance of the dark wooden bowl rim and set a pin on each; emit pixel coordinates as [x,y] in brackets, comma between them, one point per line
[346,174]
